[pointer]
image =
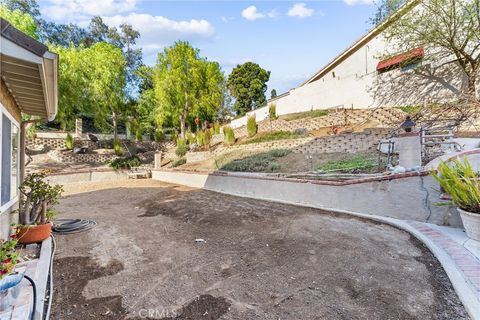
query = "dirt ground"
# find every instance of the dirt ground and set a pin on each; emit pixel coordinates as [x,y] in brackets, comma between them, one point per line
[258,260]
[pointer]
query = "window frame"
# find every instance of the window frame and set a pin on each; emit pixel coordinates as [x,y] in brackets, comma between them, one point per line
[4,111]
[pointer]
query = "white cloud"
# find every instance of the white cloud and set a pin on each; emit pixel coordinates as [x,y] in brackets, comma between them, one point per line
[300,10]
[251,13]
[354,2]
[158,31]
[77,10]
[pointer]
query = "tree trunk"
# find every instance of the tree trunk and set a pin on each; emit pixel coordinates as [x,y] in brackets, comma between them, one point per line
[183,117]
[114,123]
[472,88]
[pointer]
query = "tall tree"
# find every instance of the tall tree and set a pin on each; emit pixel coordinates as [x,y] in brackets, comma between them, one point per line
[247,84]
[449,29]
[273,94]
[186,85]
[29,7]
[22,21]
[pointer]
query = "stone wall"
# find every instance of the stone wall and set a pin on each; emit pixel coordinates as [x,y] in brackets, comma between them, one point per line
[383,117]
[70,157]
[345,143]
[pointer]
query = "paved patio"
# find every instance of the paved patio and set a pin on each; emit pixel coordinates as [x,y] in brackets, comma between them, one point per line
[257,260]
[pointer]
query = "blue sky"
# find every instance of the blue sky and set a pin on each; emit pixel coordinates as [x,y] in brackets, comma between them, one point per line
[291,39]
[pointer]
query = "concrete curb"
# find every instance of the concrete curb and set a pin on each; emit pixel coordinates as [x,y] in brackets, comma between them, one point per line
[41,276]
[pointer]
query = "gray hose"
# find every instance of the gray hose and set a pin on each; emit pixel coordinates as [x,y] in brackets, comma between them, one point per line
[34,288]
[50,276]
[68,226]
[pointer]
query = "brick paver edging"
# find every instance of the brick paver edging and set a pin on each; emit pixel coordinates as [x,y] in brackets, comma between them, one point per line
[297,180]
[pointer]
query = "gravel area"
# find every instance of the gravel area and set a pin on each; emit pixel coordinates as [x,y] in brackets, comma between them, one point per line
[163,251]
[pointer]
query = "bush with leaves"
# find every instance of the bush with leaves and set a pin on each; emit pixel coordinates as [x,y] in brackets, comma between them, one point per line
[229,135]
[69,141]
[159,135]
[139,134]
[182,147]
[200,135]
[125,162]
[117,147]
[216,127]
[179,162]
[272,111]
[252,126]
[191,137]
[461,182]
[207,139]
[37,196]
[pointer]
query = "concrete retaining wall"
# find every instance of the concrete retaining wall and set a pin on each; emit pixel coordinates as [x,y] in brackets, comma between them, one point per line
[408,198]
[87,176]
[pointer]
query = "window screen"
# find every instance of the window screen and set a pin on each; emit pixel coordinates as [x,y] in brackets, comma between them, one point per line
[6,159]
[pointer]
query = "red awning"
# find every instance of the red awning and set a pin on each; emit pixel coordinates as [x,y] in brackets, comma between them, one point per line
[398,59]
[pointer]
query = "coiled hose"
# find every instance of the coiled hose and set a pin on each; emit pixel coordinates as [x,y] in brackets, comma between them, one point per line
[68,226]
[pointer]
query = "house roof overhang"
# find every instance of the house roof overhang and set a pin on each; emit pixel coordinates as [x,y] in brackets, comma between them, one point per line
[29,71]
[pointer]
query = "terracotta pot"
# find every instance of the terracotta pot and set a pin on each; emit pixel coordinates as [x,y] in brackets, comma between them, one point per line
[34,233]
[471,223]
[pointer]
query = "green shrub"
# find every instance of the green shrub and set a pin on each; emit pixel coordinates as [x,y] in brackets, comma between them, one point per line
[229,136]
[273,136]
[32,131]
[174,136]
[125,163]
[200,138]
[117,147]
[461,182]
[216,127]
[139,134]
[207,138]
[350,163]
[182,147]
[179,162]
[159,135]
[69,141]
[272,111]
[260,162]
[191,137]
[252,126]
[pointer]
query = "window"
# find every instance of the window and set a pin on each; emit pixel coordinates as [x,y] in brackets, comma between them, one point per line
[9,156]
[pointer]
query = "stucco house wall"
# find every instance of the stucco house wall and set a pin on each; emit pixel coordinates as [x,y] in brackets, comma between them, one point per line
[6,99]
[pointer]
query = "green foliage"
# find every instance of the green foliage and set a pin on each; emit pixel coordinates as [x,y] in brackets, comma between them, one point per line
[302,115]
[207,138]
[139,134]
[272,136]
[125,162]
[247,83]
[179,162]
[186,85]
[69,141]
[272,111]
[412,110]
[349,163]
[229,136]
[216,127]
[461,182]
[182,147]
[200,135]
[191,137]
[117,147]
[159,135]
[91,81]
[37,193]
[22,21]
[32,131]
[252,126]
[273,94]
[385,8]
[8,256]
[260,162]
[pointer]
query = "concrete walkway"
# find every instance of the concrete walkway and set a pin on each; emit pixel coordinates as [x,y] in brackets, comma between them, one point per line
[464,254]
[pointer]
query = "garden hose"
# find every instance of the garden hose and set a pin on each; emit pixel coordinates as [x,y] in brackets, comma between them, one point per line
[69,226]
[50,276]
[34,288]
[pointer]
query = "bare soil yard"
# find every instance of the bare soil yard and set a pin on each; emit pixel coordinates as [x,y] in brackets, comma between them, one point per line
[260,260]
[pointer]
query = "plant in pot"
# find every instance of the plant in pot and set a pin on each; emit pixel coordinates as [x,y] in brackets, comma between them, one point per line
[8,260]
[462,183]
[34,211]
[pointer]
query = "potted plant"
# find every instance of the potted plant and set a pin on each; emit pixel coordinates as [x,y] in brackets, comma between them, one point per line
[462,183]
[8,260]
[34,212]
